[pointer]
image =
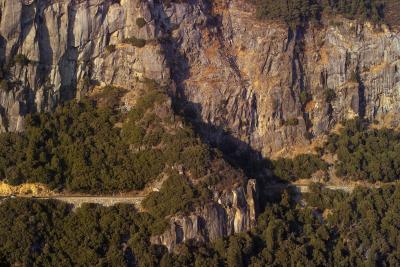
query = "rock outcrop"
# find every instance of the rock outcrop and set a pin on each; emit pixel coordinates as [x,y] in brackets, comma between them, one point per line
[230,212]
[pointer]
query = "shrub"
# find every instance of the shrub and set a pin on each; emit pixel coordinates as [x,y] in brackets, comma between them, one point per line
[154,137]
[330,95]
[305,97]
[4,85]
[109,97]
[197,159]
[135,135]
[176,194]
[141,22]
[21,60]
[86,82]
[135,42]
[151,84]
[354,77]
[302,166]
[111,49]
[291,122]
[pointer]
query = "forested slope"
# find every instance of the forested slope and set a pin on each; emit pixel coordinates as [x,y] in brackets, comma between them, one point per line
[298,12]
[333,229]
[92,146]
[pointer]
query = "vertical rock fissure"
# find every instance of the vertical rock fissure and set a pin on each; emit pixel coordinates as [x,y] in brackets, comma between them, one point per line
[176,61]
[69,59]
[299,75]
[361,94]
[45,57]
[16,46]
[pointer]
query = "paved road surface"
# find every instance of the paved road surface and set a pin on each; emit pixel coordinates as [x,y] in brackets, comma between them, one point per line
[305,188]
[106,201]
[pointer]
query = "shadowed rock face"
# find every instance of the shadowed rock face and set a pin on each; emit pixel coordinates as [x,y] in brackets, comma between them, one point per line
[230,212]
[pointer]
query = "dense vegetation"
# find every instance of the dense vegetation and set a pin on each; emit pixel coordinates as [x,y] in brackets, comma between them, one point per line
[366,154]
[179,194]
[361,152]
[176,195]
[77,146]
[342,230]
[298,12]
[334,229]
[88,148]
[45,233]
[302,166]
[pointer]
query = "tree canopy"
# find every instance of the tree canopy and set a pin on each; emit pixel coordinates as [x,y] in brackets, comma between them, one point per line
[366,154]
[299,12]
[84,147]
[332,228]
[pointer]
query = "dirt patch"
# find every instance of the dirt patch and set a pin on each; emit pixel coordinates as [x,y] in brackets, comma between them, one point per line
[29,189]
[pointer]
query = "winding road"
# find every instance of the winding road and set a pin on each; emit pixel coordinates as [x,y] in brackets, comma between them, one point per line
[77,201]
[108,201]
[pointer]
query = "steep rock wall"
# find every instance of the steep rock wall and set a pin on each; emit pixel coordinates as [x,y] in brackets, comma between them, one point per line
[255,78]
[239,77]
[66,43]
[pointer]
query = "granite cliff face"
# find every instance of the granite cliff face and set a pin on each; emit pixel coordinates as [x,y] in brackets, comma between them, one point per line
[255,80]
[268,87]
[66,44]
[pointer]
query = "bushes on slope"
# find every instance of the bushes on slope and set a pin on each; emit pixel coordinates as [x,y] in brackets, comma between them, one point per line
[298,12]
[302,166]
[366,154]
[78,147]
